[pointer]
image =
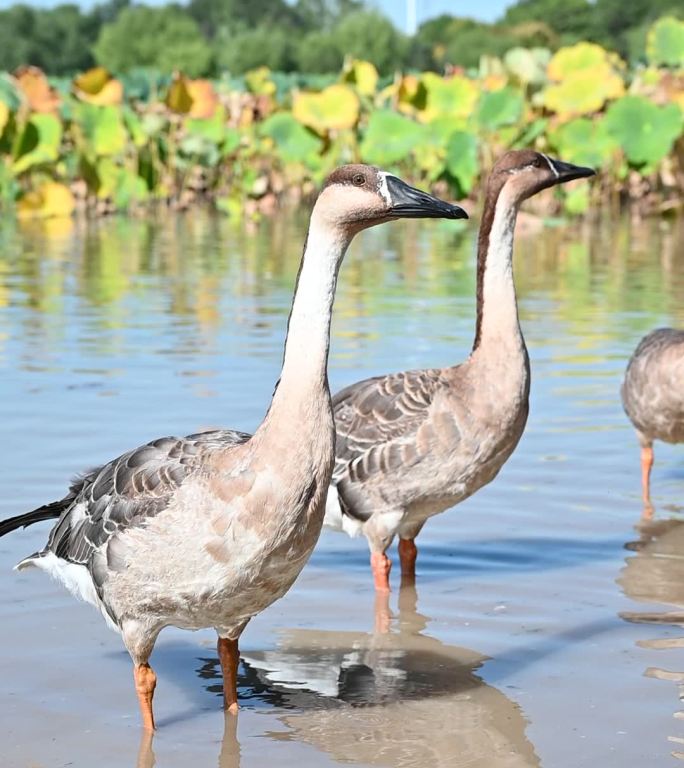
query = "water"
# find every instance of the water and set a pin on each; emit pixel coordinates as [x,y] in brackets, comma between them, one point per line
[545,629]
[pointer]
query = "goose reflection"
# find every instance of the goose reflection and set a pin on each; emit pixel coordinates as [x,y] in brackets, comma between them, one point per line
[229,755]
[655,573]
[394,698]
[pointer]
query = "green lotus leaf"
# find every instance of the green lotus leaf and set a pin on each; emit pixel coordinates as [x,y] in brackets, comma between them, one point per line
[102,129]
[4,116]
[9,94]
[584,142]
[334,108]
[576,200]
[390,138]
[462,160]
[665,42]
[454,96]
[645,131]
[213,128]
[291,139]
[498,108]
[39,142]
[134,125]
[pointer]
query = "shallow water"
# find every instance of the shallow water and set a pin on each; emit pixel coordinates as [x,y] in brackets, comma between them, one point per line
[546,625]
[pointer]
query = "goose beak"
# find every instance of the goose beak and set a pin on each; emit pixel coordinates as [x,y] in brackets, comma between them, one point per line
[407,202]
[567,171]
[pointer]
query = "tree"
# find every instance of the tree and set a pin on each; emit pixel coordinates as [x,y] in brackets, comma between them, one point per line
[216,16]
[250,48]
[371,36]
[165,38]
[572,19]
[16,35]
[318,53]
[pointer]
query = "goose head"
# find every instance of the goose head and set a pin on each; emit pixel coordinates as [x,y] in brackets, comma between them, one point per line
[355,197]
[522,173]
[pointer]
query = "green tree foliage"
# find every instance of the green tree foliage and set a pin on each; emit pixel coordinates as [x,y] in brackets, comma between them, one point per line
[252,48]
[371,36]
[166,38]
[318,53]
[571,19]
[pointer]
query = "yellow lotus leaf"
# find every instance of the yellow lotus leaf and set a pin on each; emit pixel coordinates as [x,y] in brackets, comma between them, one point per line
[584,77]
[48,200]
[4,116]
[34,86]
[453,97]
[259,81]
[204,98]
[334,108]
[97,86]
[178,98]
[361,74]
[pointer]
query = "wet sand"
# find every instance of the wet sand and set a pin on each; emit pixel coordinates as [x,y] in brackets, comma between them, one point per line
[545,628]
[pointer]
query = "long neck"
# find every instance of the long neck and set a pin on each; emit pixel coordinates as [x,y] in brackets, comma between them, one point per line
[305,360]
[497,310]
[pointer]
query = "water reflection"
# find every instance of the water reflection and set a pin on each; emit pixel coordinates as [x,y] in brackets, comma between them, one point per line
[229,755]
[655,573]
[398,698]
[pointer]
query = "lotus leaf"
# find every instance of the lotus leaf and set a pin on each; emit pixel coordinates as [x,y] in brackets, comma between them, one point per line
[178,97]
[134,124]
[411,94]
[97,86]
[38,142]
[645,131]
[9,93]
[204,99]
[48,200]
[462,160]
[259,81]
[586,76]
[585,142]
[212,129]
[361,74]
[334,108]
[390,138]
[36,90]
[4,116]
[497,108]
[197,149]
[665,42]
[454,96]
[528,65]
[102,129]
[291,139]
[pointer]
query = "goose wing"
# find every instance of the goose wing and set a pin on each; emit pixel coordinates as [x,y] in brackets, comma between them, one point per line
[378,422]
[128,491]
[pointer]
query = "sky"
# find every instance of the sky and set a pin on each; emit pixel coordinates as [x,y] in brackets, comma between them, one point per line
[483,10]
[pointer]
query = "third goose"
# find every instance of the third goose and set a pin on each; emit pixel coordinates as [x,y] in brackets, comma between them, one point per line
[653,396]
[208,530]
[414,443]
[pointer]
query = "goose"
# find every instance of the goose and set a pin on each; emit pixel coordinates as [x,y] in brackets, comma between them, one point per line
[653,397]
[208,530]
[412,444]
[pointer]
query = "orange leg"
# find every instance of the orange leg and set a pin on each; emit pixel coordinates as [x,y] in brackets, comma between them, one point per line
[646,465]
[407,556]
[229,656]
[145,683]
[381,566]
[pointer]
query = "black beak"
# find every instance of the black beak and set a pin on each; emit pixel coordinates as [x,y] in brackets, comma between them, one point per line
[407,202]
[568,171]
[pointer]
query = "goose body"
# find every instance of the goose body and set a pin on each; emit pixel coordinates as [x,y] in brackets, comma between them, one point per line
[210,529]
[411,444]
[653,395]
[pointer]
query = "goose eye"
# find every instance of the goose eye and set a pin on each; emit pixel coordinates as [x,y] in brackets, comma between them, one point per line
[359,180]
[536,162]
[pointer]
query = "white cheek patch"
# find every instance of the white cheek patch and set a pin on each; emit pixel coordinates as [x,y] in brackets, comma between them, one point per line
[383,188]
[551,165]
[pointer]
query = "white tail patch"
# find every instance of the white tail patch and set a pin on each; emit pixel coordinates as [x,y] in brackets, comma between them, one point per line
[336,519]
[76,578]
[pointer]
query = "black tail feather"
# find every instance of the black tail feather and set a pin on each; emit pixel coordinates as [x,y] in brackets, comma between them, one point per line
[47,512]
